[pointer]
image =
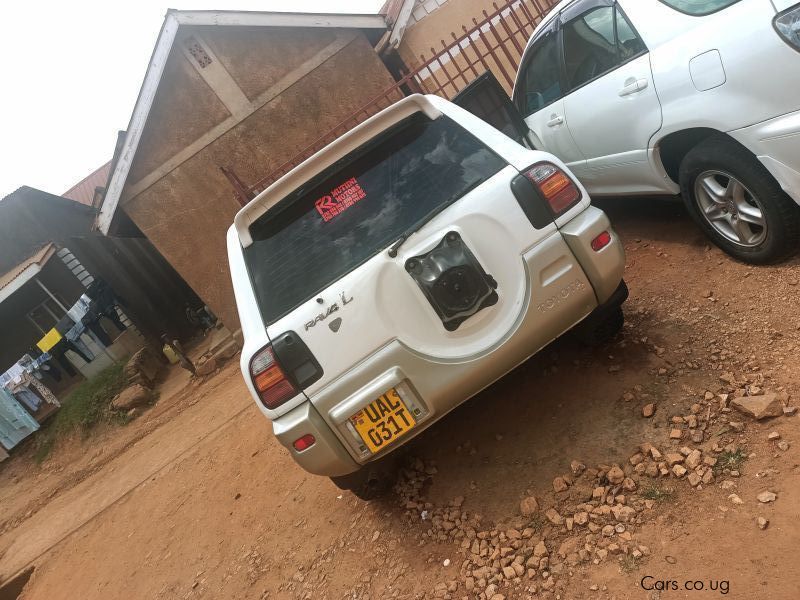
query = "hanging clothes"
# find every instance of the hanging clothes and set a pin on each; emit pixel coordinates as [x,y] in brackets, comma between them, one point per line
[28,398]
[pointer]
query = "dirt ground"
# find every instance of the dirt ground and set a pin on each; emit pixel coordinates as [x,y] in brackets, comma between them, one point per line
[195,499]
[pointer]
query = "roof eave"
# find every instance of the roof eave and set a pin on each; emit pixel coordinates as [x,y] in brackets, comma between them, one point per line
[166,38]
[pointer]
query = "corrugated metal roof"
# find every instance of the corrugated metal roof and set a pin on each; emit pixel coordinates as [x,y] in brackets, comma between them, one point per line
[39,258]
[83,191]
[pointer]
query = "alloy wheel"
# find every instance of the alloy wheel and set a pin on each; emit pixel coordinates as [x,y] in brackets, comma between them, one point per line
[730,208]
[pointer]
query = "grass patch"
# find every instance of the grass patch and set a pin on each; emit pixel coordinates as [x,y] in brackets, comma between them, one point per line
[629,563]
[730,460]
[85,407]
[657,493]
[537,523]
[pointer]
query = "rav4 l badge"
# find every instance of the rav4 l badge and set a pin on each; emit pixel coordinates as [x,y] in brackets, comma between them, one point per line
[336,323]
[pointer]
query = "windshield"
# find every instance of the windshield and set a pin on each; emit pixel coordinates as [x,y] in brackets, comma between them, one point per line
[360,206]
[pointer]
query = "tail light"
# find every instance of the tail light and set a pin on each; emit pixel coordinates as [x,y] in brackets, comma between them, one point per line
[787,24]
[555,186]
[304,443]
[601,241]
[271,383]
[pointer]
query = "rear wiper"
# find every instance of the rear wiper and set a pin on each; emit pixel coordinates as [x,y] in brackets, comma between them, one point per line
[418,225]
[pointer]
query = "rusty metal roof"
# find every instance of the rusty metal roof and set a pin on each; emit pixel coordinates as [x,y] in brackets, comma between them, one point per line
[15,278]
[83,191]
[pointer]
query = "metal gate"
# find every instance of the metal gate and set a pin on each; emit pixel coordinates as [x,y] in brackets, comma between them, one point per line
[495,44]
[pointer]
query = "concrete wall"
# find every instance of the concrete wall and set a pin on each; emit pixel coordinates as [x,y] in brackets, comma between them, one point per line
[296,85]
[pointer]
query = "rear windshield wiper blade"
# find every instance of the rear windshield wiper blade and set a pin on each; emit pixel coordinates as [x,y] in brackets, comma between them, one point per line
[418,225]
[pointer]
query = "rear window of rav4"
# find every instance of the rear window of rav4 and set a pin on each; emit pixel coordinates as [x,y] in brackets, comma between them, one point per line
[361,205]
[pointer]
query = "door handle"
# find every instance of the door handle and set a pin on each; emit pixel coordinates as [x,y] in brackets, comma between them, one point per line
[555,120]
[633,85]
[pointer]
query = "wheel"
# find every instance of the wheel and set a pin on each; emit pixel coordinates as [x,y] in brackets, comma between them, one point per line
[598,330]
[368,483]
[737,202]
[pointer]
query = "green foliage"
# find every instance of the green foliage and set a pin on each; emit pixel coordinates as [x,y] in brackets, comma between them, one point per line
[730,460]
[85,407]
[657,493]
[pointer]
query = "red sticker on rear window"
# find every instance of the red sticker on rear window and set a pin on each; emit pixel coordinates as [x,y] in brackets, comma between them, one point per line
[340,199]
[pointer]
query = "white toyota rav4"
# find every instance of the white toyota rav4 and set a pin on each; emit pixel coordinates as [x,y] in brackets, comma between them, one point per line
[700,97]
[401,270]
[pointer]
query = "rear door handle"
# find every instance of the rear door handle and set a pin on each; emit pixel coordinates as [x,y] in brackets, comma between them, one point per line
[633,85]
[555,120]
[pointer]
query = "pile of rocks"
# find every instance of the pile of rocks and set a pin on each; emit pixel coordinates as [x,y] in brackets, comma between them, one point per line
[593,515]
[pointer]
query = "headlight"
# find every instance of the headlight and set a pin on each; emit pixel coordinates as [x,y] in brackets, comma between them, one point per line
[787,24]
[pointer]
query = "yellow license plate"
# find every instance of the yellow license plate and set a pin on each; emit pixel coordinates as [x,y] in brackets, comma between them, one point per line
[382,421]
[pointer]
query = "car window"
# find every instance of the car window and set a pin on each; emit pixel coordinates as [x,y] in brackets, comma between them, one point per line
[589,48]
[359,206]
[699,7]
[541,83]
[628,43]
[597,42]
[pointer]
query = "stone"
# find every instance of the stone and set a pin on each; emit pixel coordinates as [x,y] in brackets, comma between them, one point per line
[636,459]
[735,499]
[783,445]
[553,516]
[766,497]
[559,485]
[773,436]
[615,475]
[648,410]
[673,458]
[528,506]
[132,397]
[142,368]
[694,459]
[694,479]
[581,518]
[789,411]
[675,434]
[608,530]
[759,407]
[736,426]
[629,485]
[762,523]
[509,573]
[679,470]
[623,514]
[206,367]
[577,468]
[540,550]
[569,546]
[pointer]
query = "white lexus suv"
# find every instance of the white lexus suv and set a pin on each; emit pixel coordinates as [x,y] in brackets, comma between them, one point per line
[700,97]
[401,270]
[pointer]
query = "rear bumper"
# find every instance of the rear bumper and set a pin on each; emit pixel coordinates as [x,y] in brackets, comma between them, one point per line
[559,299]
[776,142]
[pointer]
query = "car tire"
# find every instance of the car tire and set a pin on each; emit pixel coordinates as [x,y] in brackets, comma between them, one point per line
[596,331]
[368,483]
[737,202]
